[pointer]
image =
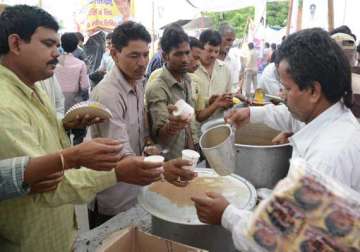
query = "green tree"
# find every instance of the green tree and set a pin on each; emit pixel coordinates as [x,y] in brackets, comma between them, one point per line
[276,13]
[237,18]
[276,16]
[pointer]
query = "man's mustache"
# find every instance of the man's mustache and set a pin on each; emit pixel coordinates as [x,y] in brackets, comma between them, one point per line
[53,62]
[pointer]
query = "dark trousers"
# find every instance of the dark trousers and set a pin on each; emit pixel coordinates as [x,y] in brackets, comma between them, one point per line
[79,135]
[96,218]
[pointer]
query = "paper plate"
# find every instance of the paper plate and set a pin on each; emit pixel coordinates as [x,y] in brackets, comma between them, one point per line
[92,108]
[160,198]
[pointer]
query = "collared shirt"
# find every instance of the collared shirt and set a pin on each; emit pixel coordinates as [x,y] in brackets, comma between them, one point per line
[232,61]
[29,127]
[164,91]
[53,89]
[79,54]
[269,80]
[251,61]
[71,74]
[218,83]
[126,104]
[355,84]
[199,103]
[12,177]
[195,90]
[330,143]
[107,62]
[155,63]
[152,79]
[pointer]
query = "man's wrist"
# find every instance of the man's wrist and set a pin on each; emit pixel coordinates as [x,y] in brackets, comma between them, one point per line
[118,171]
[71,158]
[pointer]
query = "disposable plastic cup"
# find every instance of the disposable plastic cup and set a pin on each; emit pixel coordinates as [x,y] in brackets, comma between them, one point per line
[184,110]
[192,156]
[156,159]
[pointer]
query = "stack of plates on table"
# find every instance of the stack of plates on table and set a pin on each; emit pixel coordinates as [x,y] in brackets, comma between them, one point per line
[91,108]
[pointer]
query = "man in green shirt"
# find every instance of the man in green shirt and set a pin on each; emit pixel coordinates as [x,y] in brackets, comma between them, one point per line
[29,127]
[172,84]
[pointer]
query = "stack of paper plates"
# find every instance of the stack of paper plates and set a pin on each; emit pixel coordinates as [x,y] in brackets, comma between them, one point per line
[91,108]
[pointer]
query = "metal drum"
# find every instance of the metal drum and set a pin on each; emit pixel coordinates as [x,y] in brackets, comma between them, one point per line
[179,222]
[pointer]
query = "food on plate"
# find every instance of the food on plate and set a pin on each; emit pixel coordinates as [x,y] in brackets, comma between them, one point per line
[92,108]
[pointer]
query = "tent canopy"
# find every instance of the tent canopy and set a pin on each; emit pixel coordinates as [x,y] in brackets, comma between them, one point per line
[223,5]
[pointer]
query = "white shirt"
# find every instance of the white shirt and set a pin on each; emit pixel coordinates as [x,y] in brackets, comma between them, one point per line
[330,143]
[53,89]
[251,59]
[107,62]
[232,61]
[269,80]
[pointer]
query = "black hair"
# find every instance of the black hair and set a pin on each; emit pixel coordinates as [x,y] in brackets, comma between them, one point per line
[172,37]
[109,36]
[194,42]
[128,31]
[251,45]
[69,42]
[23,20]
[80,36]
[343,29]
[267,45]
[210,37]
[273,56]
[273,46]
[312,56]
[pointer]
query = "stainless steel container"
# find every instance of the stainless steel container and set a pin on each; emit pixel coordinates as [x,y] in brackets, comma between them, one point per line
[217,144]
[256,159]
[180,223]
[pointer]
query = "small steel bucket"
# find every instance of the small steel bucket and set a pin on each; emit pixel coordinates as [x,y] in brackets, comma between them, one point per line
[217,144]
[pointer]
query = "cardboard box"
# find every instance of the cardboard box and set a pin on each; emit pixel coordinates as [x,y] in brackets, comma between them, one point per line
[132,239]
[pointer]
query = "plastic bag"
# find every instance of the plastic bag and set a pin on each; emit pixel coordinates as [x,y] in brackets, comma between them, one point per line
[308,211]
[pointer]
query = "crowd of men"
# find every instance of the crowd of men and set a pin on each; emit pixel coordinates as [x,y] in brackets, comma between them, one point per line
[44,176]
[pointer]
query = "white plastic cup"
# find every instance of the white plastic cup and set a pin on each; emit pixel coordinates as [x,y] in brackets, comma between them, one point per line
[184,110]
[156,159]
[192,156]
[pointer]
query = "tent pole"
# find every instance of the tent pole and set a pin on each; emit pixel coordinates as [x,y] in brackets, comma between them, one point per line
[153,28]
[330,15]
[291,6]
[299,16]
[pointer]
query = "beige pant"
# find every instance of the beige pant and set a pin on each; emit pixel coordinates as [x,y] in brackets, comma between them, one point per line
[250,77]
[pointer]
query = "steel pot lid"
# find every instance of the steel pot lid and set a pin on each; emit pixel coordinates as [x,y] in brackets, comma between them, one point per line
[171,203]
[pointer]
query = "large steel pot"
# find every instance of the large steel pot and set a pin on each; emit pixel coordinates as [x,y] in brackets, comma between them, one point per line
[180,223]
[256,159]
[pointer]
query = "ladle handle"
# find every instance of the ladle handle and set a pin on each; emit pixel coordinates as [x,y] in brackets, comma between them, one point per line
[232,132]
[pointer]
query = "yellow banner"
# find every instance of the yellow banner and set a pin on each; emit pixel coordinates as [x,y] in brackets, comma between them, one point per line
[104,14]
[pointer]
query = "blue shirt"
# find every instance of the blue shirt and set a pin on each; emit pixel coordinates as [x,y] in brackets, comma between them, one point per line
[12,177]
